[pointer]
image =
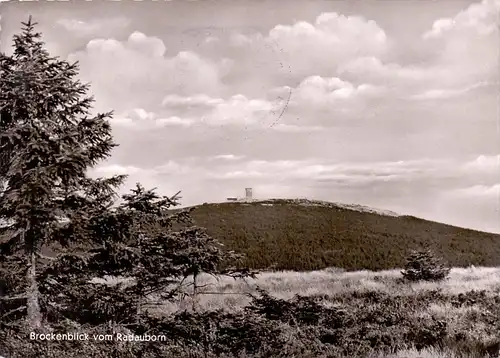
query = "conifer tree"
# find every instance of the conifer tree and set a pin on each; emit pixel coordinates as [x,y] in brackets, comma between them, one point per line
[48,140]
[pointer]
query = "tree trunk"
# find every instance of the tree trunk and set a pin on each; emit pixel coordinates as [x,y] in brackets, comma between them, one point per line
[195,292]
[33,307]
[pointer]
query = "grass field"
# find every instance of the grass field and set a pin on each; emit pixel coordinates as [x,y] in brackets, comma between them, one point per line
[228,294]
[468,302]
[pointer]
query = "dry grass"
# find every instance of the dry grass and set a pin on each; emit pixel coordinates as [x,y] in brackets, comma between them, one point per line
[229,294]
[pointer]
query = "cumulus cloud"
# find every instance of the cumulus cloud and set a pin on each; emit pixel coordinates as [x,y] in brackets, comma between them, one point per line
[280,107]
[278,55]
[138,118]
[174,121]
[331,39]
[237,110]
[276,109]
[240,109]
[96,26]
[462,55]
[479,18]
[139,74]
[485,163]
[319,90]
[116,169]
[468,42]
[372,68]
[325,101]
[200,100]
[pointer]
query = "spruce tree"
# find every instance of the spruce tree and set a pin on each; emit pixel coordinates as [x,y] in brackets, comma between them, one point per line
[48,140]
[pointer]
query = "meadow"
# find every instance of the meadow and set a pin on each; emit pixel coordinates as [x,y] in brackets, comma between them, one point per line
[457,317]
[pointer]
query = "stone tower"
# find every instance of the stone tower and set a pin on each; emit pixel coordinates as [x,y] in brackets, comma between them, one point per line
[248,194]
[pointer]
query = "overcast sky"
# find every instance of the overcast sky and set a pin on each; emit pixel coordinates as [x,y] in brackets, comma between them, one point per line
[390,104]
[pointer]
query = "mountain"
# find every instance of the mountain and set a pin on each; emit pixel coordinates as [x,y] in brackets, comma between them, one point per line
[307,235]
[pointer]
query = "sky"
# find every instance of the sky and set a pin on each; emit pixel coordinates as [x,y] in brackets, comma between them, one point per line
[390,104]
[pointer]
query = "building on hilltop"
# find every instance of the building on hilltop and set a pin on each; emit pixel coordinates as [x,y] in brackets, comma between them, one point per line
[248,196]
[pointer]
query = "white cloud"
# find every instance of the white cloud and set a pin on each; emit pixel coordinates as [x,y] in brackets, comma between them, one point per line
[489,191]
[445,93]
[147,45]
[319,91]
[330,40]
[353,173]
[480,18]
[138,118]
[240,110]
[174,100]
[138,73]
[372,68]
[115,169]
[462,54]
[484,163]
[174,121]
[331,37]
[468,42]
[228,157]
[92,27]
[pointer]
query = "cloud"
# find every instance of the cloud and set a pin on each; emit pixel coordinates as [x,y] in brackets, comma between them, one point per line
[116,169]
[278,106]
[174,121]
[230,166]
[371,68]
[240,110]
[444,93]
[324,102]
[351,173]
[480,18]
[468,43]
[138,118]
[228,157]
[277,57]
[318,90]
[331,39]
[484,163]
[237,110]
[139,73]
[96,26]
[461,55]
[200,100]
[151,46]
[489,191]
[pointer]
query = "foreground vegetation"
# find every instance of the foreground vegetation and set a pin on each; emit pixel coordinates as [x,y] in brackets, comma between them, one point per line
[328,313]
